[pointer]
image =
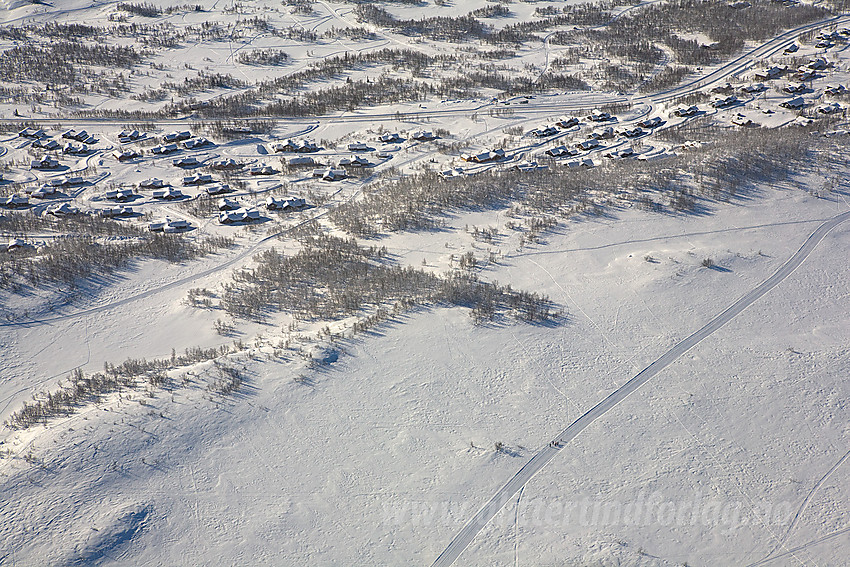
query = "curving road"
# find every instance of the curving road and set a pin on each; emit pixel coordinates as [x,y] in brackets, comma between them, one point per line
[462,540]
[536,106]
[585,100]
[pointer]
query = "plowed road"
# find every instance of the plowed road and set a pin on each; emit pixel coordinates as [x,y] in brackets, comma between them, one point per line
[538,461]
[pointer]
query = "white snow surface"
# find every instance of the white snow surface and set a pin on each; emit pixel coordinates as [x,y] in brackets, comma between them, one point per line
[379,456]
[736,454]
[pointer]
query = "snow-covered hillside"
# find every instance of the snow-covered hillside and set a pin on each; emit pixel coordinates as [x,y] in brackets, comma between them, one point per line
[381,435]
[382,453]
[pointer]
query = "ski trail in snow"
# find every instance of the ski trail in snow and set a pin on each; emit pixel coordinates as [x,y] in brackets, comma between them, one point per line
[663,237]
[794,550]
[516,528]
[806,500]
[486,513]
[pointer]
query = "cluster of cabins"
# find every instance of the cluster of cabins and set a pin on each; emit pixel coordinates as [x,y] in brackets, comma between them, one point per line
[828,40]
[606,133]
[295,146]
[78,143]
[558,126]
[46,190]
[44,142]
[230,211]
[228,164]
[15,202]
[81,136]
[174,141]
[53,186]
[183,139]
[125,155]
[45,162]
[168,225]
[354,160]
[329,174]
[22,202]
[127,136]
[487,156]
[801,75]
[547,130]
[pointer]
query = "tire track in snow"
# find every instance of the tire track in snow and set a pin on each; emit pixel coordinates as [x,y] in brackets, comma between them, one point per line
[469,531]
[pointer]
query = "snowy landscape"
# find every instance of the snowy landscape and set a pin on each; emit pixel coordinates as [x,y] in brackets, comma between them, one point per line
[424,282]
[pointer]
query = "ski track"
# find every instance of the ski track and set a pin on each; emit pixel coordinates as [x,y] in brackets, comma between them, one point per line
[802,547]
[799,513]
[468,533]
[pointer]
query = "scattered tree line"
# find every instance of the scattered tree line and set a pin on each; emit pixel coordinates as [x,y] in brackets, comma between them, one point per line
[728,25]
[94,246]
[67,260]
[462,28]
[398,59]
[296,33]
[148,10]
[203,81]
[263,57]
[510,83]
[56,96]
[408,2]
[227,379]
[233,129]
[727,162]
[19,224]
[163,35]
[356,33]
[331,278]
[668,77]
[144,9]
[381,90]
[415,201]
[349,94]
[584,14]
[299,6]
[131,375]
[54,63]
[440,28]
[13,33]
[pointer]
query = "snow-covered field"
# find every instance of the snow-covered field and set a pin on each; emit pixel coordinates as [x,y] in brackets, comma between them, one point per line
[380,447]
[380,456]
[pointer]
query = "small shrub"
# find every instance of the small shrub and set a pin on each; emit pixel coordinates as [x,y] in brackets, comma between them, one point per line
[146,10]
[229,380]
[223,328]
